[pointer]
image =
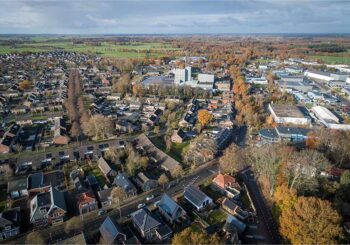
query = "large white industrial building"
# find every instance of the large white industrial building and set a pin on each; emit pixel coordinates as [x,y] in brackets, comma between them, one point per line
[288,114]
[324,115]
[326,76]
[184,77]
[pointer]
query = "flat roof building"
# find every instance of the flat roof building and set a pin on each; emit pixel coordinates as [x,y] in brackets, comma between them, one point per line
[288,114]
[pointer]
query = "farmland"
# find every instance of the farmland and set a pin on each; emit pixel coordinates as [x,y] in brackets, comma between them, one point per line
[103,49]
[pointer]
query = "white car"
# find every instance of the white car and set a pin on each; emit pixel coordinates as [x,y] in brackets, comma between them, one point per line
[141,205]
[149,198]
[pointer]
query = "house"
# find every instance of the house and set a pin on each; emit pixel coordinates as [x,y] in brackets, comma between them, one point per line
[145,223]
[227,185]
[123,181]
[9,139]
[197,198]
[36,184]
[9,223]
[145,182]
[105,198]
[47,208]
[111,233]
[239,225]
[86,202]
[178,136]
[233,209]
[60,132]
[169,209]
[106,170]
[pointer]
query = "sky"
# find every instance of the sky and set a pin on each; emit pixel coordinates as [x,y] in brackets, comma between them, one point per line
[173,17]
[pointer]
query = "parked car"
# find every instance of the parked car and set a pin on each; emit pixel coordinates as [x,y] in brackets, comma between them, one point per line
[149,198]
[141,205]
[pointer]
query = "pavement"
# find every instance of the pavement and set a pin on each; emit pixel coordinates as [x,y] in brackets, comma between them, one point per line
[268,224]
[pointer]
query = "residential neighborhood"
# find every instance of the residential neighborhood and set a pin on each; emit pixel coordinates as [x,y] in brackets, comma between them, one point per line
[182,132]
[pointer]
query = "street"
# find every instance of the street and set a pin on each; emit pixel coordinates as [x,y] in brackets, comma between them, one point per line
[263,211]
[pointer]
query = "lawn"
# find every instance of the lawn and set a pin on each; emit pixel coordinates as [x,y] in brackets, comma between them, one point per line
[176,148]
[332,59]
[217,216]
[99,176]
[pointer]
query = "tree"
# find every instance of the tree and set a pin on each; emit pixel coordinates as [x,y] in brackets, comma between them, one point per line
[98,127]
[25,84]
[163,180]
[284,198]
[232,159]
[204,117]
[302,168]
[118,195]
[345,178]
[311,221]
[177,172]
[311,141]
[144,162]
[75,130]
[188,236]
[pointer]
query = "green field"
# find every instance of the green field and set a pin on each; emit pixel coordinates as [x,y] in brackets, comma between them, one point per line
[332,59]
[106,49]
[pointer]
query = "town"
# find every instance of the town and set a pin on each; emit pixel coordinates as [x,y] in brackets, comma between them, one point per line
[162,150]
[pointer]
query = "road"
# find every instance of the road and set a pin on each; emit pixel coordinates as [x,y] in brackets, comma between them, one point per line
[263,211]
[91,222]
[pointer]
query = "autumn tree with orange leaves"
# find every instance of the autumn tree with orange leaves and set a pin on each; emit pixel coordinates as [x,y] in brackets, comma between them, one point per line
[311,221]
[204,117]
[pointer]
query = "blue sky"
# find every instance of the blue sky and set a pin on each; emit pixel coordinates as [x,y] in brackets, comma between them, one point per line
[167,16]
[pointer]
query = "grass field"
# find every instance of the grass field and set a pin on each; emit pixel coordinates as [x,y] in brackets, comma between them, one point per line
[122,50]
[99,176]
[332,59]
[217,216]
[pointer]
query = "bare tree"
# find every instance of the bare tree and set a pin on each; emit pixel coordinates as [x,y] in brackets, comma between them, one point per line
[118,196]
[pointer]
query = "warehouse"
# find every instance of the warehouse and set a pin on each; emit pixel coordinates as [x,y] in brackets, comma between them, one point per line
[324,115]
[288,114]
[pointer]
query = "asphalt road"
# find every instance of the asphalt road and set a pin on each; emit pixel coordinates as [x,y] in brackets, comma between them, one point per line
[263,211]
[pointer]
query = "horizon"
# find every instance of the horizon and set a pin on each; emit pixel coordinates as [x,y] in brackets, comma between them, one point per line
[171,17]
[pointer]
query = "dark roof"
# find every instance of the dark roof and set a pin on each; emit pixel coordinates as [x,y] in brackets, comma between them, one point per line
[122,180]
[292,130]
[196,196]
[164,230]
[110,230]
[168,205]
[144,219]
[269,133]
[35,180]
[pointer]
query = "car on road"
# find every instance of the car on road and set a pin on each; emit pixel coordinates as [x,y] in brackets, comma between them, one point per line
[101,212]
[149,198]
[141,205]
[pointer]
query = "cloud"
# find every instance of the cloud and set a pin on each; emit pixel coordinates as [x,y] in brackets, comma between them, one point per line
[173,16]
[103,21]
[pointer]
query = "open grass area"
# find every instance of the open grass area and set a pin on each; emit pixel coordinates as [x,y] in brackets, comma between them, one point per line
[332,59]
[176,148]
[105,49]
[217,216]
[99,176]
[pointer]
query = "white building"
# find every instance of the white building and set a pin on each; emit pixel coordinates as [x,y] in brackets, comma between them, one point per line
[326,76]
[288,114]
[183,75]
[325,115]
[205,78]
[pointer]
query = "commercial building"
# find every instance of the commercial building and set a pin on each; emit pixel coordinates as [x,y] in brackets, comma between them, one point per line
[288,114]
[324,115]
[326,76]
[280,133]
